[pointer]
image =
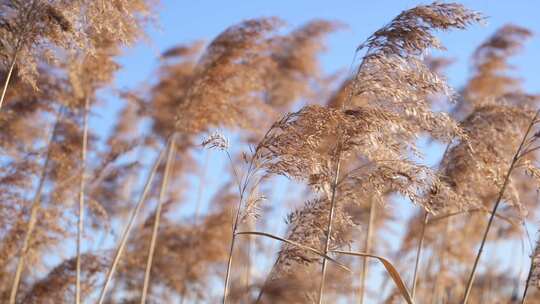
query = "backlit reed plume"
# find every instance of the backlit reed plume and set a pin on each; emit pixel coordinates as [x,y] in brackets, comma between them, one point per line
[27,29]
[57,285]
[67,87]
[179,267]
[491,80]
[312,143]
[473,170]
[79,222]
[216,84]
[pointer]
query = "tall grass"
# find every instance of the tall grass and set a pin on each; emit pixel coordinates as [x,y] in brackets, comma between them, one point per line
[349,142]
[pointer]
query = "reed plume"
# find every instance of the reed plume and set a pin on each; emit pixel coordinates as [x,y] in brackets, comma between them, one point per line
[342,154]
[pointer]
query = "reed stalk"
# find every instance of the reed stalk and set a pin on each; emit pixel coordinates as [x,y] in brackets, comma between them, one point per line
[34,210]
[157,216]
[127,230]
[8,79]
[329,227]
[80,220]
[419,253]
[367,248]
[515,159]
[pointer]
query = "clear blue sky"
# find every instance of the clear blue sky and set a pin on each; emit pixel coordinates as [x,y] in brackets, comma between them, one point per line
[187,21]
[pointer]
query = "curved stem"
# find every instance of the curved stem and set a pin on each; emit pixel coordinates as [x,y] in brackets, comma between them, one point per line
[524,297]
[157,216]
[419,253]
[307,248]
[532,265]
[80,220]
[494,211]
[127,230]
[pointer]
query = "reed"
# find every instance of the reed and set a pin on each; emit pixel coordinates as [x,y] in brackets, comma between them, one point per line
[340,156]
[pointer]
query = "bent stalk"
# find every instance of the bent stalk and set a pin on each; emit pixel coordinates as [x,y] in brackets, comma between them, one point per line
[129,226]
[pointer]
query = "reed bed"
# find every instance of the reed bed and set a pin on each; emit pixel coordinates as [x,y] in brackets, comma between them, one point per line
[85,217]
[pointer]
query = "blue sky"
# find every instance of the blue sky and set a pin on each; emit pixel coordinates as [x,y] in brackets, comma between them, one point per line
[187,21]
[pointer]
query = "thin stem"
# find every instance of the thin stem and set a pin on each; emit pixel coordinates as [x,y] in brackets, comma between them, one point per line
[248,264]
[202,182]
[36,204]
[438,218]
[157,216]
[529,276]
[529,151]
[329,227]
[419,254]
[80,221]
[228,274]
[243,183]
[234,227]
[367,249]
[495,207]
[442,262]
[127,230]
[335,185]
[8,78]
[293,243]
[30,16]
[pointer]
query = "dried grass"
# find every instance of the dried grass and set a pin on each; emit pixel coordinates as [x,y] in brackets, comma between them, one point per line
[355,150]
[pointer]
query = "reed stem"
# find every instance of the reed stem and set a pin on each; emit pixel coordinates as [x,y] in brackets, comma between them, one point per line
[36,204]
[367,249]
[80,220]
[419,254]
[127,229]
[329,227]
[495,207]
[8,79]
[527,283]
[241,189]
[157,216]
